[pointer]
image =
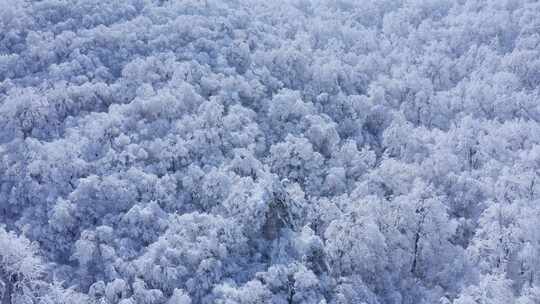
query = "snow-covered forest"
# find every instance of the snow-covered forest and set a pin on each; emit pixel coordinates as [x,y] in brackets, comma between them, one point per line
[269,151]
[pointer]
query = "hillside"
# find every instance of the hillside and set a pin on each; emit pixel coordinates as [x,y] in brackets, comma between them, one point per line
[245,152]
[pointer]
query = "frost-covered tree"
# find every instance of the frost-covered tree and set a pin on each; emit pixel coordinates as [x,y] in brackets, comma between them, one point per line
[306,151]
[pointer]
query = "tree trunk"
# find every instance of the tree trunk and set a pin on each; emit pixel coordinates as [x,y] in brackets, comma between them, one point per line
[415,253]
[8,288]
[419,231]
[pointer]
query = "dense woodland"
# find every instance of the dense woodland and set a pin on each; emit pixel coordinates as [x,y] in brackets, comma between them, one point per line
[251,151]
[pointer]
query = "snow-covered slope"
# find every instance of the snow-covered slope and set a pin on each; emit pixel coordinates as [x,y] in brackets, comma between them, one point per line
[303,151]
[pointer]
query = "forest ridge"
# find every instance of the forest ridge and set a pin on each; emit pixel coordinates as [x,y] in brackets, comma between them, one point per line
[257,151]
